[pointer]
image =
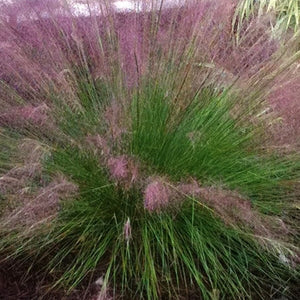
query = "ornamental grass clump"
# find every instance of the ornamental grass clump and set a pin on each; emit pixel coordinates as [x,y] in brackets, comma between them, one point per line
[138,146]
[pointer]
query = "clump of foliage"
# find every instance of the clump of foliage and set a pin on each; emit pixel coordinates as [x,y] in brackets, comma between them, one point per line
[287,13]
[136,144]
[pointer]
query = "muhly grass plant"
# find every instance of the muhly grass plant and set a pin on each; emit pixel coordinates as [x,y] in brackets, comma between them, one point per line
[136,147]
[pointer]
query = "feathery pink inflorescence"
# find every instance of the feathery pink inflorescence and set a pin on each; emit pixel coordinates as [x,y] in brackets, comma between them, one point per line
[27,167]
[20,116]
[26,171]
[284,100]
[192,189]
[158,195]
[118,167]
[99,143]
[115,120]
[10,184]
[43,206]
[31,151]
[126,42]
[233,208]
[123,169]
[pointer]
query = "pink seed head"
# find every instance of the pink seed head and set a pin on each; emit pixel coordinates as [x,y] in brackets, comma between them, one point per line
[127,230]
[191,189]
[114,119]
[99,143]
[123,169]
[118,167]
[157,195]
[19,116]
[41,207]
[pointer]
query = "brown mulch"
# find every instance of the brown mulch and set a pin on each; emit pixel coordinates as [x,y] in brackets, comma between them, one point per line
[14,285]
